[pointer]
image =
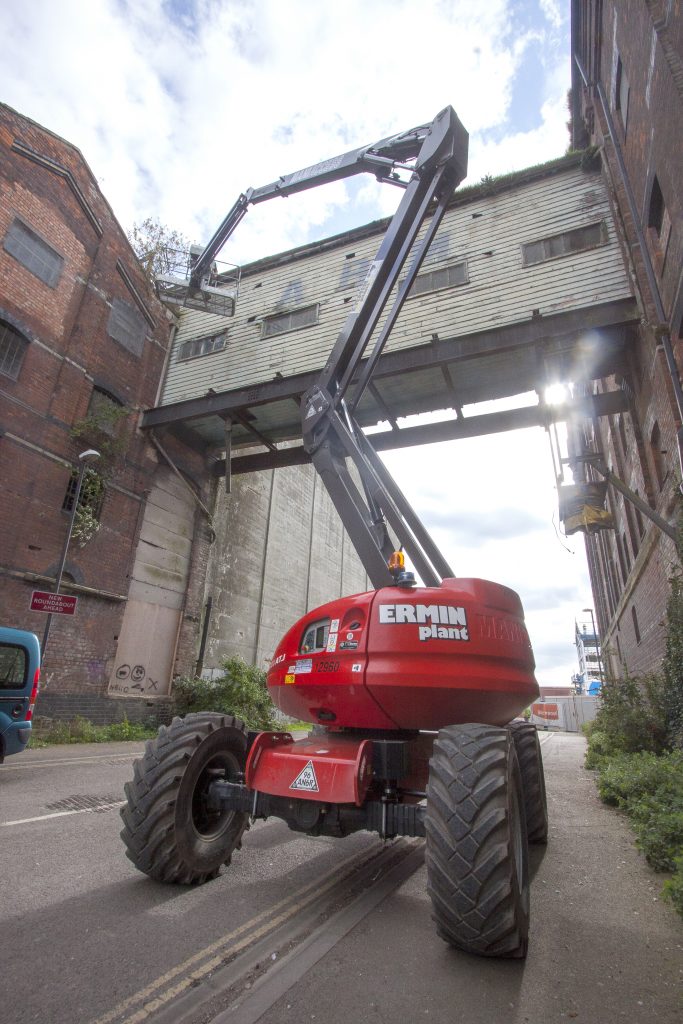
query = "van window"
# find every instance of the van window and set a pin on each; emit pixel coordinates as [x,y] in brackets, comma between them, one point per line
[13,667]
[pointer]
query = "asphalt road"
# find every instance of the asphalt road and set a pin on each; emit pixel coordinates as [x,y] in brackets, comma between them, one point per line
[301,929]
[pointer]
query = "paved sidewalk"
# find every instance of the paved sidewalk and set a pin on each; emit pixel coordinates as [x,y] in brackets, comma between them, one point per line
[603,948]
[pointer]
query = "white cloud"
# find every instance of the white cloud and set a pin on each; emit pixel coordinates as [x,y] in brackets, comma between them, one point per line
[179,112]
[179,106]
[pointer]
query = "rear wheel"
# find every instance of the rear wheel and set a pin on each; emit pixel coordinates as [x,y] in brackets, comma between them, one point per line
[525,738]
[477,866]
[170,832]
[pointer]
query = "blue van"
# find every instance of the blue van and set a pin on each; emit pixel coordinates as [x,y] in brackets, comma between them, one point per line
[19,682]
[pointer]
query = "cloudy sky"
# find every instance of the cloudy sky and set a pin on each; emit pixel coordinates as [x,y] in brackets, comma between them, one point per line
[179,105]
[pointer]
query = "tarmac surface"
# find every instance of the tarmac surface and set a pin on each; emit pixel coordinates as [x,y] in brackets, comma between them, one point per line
[603,948]
[90,939]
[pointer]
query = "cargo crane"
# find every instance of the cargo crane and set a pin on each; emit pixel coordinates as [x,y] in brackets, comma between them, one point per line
[412,689]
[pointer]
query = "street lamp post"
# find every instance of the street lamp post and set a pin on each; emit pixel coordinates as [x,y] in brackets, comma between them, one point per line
[84,458]
[597,644]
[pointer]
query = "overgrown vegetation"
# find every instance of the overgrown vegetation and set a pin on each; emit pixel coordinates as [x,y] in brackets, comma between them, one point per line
[241,690]
[636,746]
[80,730]
[101,430]
[154,244]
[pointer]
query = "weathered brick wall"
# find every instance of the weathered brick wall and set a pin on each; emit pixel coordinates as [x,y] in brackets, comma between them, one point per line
[102,710]
[45,182]
[631,568]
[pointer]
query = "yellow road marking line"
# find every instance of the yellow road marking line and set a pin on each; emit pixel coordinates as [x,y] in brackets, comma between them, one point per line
[314,889]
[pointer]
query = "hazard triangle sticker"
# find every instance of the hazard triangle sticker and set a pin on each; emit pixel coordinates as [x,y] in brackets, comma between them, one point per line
[306,779]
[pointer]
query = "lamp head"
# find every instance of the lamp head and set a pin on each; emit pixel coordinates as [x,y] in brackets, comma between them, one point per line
[89,454]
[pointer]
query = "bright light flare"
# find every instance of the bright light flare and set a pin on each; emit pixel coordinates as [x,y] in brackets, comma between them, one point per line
[557,394]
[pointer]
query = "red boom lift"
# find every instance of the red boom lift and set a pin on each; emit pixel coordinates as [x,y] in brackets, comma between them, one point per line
[413,690]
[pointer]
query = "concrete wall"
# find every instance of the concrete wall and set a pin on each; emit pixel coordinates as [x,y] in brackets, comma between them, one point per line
[280,550]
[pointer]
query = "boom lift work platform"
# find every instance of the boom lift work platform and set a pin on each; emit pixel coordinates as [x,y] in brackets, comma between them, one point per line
[413,690]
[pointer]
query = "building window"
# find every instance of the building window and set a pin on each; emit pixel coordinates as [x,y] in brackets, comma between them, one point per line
[632,532]
[578,240]
[655,217]
[444,277]
[33,253]
[622,435]
[92,493]
[622,560]
[657,453]
[202,346]
[658,220]
[636,627]
[353,272]
[106,411]
[292,321]
[127,326]
[12,348]
[621,93]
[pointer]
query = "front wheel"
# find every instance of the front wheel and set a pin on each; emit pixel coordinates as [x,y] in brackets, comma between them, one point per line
[477,865]
[170,832]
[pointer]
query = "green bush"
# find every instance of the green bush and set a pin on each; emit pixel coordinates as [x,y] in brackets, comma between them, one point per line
[636,746]
[671,697]
[673,889]
[649,788]
[240,691]
[81,730]
[630,717]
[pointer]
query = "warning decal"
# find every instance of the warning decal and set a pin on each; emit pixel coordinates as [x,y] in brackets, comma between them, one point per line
[306,779]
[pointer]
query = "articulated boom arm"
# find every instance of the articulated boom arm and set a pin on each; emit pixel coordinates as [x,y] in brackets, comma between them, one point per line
[381,159]
[331,435]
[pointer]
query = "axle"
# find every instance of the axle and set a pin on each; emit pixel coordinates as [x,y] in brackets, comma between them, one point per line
[384,816]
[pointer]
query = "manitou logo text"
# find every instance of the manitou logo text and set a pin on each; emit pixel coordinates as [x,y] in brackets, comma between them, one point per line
[433,621]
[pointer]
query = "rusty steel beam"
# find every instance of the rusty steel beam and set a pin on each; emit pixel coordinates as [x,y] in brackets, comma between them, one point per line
[608,404]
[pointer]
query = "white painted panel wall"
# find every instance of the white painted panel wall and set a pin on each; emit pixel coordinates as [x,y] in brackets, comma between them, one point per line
[487,232]
[146,647]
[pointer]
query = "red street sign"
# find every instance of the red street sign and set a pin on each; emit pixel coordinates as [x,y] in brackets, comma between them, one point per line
[55,604]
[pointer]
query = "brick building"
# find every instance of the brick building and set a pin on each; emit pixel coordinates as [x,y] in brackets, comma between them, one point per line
[83,343]
[627,101]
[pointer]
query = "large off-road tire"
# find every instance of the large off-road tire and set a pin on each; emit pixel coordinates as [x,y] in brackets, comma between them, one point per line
[477,863]
[169,832]
[525,737]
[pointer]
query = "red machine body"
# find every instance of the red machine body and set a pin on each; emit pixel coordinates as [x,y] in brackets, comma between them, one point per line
[403,658]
